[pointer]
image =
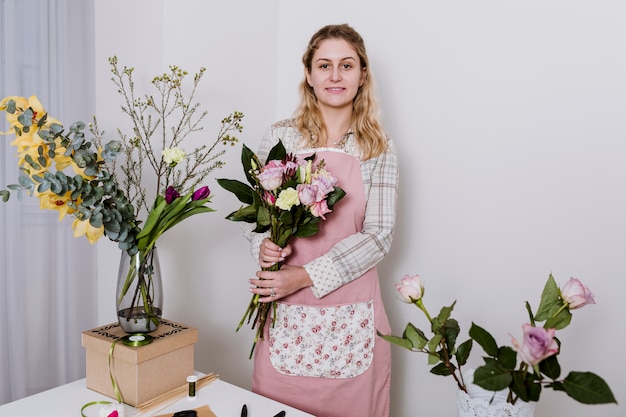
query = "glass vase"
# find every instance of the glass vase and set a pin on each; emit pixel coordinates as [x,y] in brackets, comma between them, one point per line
[139,294]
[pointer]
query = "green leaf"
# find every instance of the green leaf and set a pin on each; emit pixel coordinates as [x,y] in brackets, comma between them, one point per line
[307,230]
[243,192]
[398,341]
[415,336]
[244,214]
[11,106]
[588,388]
[484,339]
[550,367]
[5,195]
[442,370]
[334,196]
[491,376]
[550,300]
[26,118]
[562,320]
[463,352]
[432,348]
[452,330]
[526,386]
[263,216]
[247,158]
[278,152]
[507,357]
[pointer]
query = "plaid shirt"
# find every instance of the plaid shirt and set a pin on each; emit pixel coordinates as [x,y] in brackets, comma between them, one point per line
[356,254]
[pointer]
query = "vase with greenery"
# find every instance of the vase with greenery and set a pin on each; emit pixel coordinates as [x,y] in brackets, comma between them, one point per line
[103,184]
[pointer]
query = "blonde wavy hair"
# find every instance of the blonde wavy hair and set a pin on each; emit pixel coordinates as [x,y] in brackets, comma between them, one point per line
[366,125]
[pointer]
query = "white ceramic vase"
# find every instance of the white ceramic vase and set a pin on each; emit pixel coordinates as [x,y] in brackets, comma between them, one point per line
[478,402]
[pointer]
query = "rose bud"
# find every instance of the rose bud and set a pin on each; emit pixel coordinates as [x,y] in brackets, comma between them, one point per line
[410,289]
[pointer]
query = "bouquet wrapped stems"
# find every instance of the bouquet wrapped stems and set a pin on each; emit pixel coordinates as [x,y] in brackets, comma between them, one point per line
[261,311]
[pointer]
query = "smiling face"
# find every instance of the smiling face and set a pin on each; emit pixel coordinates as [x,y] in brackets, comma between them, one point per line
[335,74]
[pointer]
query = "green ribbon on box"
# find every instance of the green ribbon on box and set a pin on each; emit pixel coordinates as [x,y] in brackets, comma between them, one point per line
[134,340]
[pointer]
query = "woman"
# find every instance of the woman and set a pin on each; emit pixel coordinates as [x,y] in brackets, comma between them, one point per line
[323,355]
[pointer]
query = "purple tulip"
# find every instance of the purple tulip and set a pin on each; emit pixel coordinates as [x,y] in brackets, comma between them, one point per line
[201,193]
[171,194]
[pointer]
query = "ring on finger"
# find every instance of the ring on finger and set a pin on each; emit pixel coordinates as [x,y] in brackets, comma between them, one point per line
[272,293]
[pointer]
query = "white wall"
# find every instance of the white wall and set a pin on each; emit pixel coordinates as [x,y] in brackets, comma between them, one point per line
[510,121]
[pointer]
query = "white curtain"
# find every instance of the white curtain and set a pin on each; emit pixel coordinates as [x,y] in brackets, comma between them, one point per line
[47,277]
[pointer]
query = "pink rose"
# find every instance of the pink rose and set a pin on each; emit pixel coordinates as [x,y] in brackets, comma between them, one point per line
[576,294]
[319,209]
[537,345]
[410,288]
[271,176]
[325,183]
[307,194]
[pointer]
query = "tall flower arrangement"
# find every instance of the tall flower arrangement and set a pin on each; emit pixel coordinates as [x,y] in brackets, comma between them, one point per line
[538,349]
[102,184]
[287,196]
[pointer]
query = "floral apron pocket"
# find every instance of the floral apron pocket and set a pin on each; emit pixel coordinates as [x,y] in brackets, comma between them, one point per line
[325,342]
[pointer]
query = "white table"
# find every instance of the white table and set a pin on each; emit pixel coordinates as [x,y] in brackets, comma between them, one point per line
[224,399]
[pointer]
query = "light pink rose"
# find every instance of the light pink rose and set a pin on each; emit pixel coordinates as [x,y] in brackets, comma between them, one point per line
[319,209]
[325,183]
[271,176]
[538,344]
[410,288]
[307,193]
[576,294]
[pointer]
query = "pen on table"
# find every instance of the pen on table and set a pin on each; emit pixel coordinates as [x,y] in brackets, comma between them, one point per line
[281,414]
[244,411]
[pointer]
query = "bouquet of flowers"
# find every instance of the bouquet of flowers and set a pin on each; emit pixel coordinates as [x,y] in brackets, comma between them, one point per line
[102,202]
[288,197]
[538,350]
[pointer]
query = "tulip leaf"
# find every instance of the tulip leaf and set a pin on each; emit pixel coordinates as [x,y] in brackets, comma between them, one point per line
[5,195]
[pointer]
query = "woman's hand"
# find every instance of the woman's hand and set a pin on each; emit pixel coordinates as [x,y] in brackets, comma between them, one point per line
[270,253]
[274,285]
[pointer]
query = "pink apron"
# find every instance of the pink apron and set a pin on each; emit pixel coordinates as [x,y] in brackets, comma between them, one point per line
[323,356]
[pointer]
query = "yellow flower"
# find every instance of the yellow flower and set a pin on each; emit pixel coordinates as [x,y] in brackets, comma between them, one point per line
[84,228]
[51,201]
[23,104]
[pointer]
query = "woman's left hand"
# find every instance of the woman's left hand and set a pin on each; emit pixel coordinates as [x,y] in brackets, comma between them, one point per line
[274,285]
